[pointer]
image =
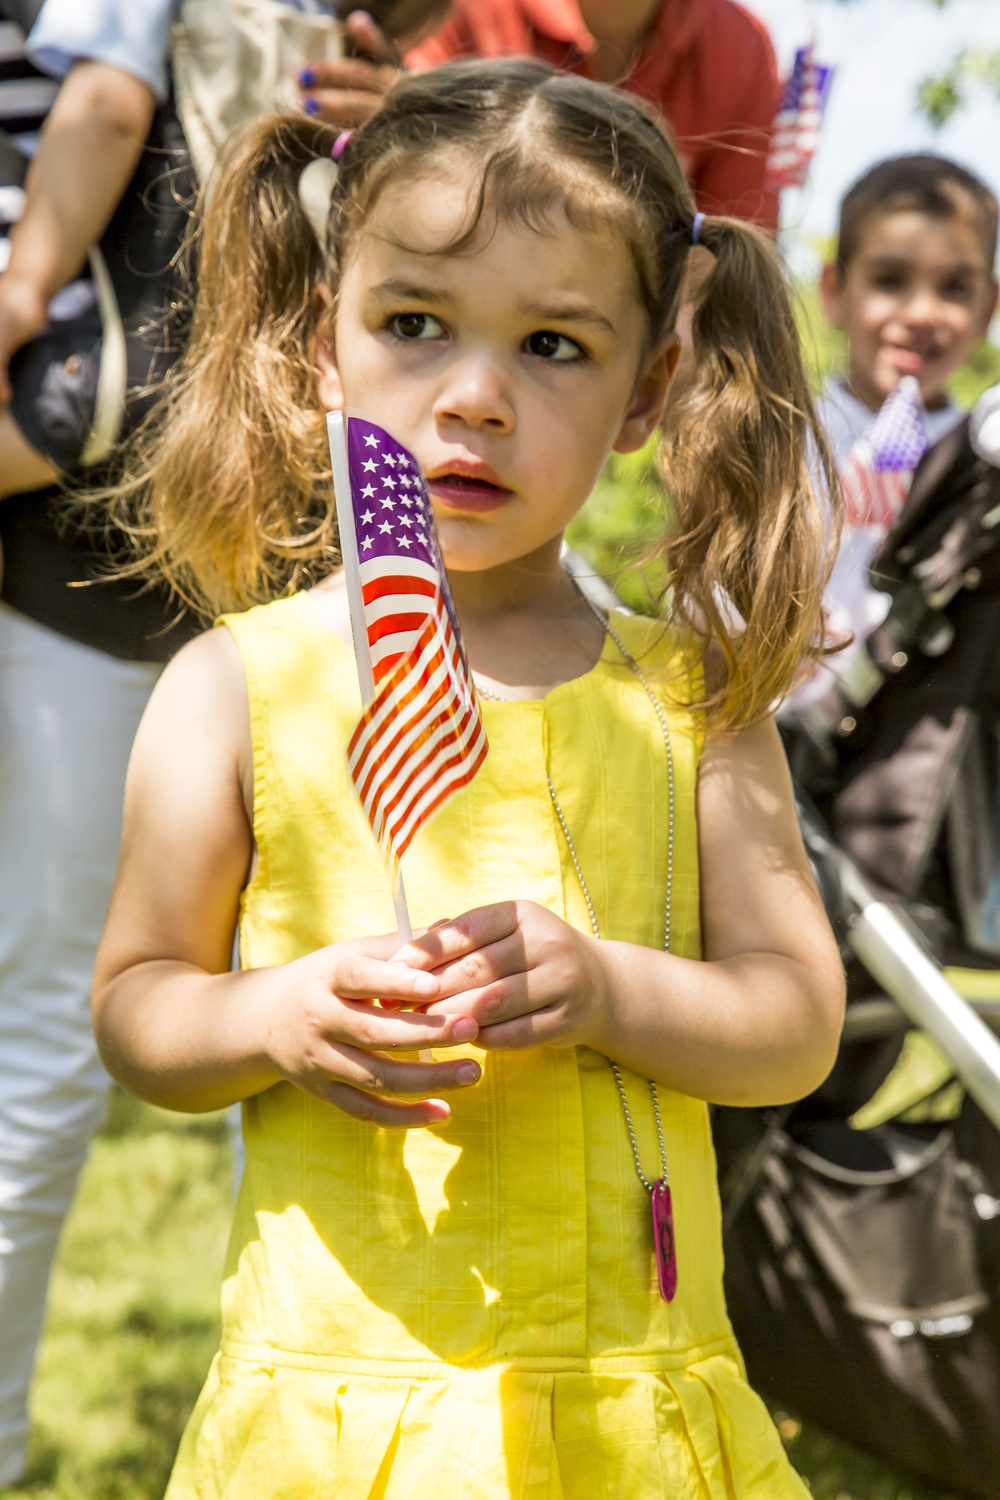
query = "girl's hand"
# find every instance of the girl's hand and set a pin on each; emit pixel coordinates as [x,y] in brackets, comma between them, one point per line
[525,975]
[322,1032]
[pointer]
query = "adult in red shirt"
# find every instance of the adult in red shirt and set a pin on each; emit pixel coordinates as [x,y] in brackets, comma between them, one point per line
[707,64]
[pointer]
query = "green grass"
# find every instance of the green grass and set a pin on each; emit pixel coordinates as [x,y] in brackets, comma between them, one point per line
[133,1315]
[133,1323]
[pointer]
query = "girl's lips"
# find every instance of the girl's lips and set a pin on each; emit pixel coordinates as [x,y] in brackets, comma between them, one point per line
[463,492]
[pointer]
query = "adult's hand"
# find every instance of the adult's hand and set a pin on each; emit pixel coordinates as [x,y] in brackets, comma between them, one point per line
[349,91]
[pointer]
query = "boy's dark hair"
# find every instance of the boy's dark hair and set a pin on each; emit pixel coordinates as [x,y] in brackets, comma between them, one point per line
[921,183]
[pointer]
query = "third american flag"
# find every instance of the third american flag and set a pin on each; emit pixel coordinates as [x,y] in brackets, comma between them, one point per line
[878,471]
[420,737]
[795,134]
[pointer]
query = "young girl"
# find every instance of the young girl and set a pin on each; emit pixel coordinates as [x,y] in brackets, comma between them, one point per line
[620,922]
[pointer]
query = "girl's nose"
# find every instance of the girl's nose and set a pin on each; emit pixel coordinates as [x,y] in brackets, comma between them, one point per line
[476,394]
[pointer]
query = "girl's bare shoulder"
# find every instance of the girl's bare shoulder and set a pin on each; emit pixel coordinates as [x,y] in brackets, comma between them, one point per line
[198,719]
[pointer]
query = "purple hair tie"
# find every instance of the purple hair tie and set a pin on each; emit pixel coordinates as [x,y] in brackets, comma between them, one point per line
[340,145]
[699,220]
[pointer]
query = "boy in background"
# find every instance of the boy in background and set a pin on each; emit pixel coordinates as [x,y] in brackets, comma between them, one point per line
[912,287]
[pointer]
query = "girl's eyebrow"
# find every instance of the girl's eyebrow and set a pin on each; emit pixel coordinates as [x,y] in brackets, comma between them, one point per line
[411,291]
[570,312]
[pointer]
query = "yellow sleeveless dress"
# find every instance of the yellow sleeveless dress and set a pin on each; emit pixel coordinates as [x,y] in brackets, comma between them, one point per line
[471,1312]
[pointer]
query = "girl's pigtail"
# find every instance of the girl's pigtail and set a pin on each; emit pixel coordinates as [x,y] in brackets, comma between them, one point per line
[228,493]
[755,497]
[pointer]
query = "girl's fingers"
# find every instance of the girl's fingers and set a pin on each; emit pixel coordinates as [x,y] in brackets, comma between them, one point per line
[533,1029]
[462,935]
[484,966]
[360,977]
[388,1112]
[368,1027]
[510,1016]
[380,1075]
[506,999]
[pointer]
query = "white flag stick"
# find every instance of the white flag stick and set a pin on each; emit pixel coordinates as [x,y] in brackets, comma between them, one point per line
[336,431]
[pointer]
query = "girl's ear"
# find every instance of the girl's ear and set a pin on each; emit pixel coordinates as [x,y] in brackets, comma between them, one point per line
[650,397]
[328,386]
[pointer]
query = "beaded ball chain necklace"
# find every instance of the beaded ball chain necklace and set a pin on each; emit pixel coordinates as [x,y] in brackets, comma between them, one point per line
[659,1190]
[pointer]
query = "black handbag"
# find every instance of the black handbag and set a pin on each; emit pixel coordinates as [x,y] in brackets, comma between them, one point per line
[863,1280]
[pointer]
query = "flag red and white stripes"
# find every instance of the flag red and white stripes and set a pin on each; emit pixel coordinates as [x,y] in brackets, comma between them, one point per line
[396,606]
[420,737]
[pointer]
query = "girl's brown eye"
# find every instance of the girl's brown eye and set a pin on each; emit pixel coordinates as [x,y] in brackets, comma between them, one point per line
[414,326]
[553,346]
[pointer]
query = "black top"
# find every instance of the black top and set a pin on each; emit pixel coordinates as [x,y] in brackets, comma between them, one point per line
[44,560]
[46,556]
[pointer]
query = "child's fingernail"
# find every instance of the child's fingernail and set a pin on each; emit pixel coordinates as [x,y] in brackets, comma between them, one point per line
[467,1072]
[307,77]
[310,105]
[465,1029]
[425,984]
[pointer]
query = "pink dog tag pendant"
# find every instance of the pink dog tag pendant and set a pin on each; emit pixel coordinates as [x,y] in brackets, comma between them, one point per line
[663,1239]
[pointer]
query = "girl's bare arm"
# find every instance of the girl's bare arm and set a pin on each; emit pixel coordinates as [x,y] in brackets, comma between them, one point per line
[757,1022]
[173,1024]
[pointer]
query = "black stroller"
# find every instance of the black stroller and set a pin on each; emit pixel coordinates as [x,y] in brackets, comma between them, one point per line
[863,1265]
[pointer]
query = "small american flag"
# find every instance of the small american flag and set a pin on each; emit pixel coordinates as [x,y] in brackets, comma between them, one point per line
[795,134]
[420,736]
[878,471]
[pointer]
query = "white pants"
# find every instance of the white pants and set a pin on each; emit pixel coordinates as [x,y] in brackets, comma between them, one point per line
[68,715]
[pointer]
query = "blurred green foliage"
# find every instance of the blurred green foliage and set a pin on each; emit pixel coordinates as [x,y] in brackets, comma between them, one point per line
[943,94]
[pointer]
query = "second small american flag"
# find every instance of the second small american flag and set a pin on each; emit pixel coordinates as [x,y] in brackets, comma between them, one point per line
[421,737]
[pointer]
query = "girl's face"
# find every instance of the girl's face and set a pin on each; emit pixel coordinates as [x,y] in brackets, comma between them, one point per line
[510,370]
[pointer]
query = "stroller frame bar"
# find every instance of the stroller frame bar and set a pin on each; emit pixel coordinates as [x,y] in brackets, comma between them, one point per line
[897,959]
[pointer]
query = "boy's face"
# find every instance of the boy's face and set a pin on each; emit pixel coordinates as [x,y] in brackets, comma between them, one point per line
[915,298]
